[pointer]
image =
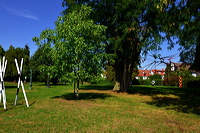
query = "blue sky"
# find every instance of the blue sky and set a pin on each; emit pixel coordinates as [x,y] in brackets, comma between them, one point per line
[21,20]
[173,54]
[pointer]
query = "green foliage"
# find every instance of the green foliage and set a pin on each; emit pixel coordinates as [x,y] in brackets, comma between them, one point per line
[192,82]
[187,19]
[2,51]
[132,27]
[75,47]
[83,51]
[149,82]
[155,76]
[110,73]
[99,80]
[42,64]
[44,56]
[17,53]
[135,81]
[144,82]
[186,77]
[171,79]
[158,82]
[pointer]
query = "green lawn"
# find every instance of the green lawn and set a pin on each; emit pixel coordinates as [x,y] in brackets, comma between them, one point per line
[144,109]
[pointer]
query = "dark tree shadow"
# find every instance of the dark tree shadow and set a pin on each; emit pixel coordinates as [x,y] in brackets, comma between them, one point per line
[10,87]
[97,87]
[186,100]
[155,90]
[59,84]
[185,103]
[84,96]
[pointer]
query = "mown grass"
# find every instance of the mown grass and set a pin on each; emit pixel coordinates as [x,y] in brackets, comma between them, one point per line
[144,109]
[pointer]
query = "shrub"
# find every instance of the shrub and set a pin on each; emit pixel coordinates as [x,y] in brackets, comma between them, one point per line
[144,82]
[147,82]
[135,82]
[171,80]
[158,82]
[194,83]
[155,76]
[99,80]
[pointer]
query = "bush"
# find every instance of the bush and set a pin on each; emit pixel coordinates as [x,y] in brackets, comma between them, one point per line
[194,83]
[148,82]
[99,80]
[135,82]
[158,82]
[171,80]
[155,76]
[144,82]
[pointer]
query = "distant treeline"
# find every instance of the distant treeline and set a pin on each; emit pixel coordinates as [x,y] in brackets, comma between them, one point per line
[31,63]
[15,53]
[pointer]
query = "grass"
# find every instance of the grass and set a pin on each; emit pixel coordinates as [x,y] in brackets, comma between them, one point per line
[144,109]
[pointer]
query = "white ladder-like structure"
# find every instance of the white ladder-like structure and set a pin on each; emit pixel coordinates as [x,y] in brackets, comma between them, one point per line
[19,70]
[2,87]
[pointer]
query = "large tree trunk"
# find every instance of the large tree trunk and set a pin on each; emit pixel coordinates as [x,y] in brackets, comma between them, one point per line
[123,78]
[117,86]
[128,60]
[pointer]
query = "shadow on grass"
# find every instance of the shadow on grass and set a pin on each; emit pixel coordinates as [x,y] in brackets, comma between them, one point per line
[43,84]
[186,100]
[96,87]
[84,96]
[10,87]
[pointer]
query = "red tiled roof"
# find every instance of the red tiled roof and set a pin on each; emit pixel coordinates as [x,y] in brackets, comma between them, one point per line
[144,73]
[147,73]
[161,72]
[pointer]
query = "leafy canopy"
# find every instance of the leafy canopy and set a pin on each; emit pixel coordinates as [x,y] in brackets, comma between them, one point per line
[76,44]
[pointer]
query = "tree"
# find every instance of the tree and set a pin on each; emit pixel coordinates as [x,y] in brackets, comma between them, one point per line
[26,57]
[11,71]
[2,52]
[41,63]
[155,76]
[16,53]
[46,66]
[76,45]
[110,73]
[132,25]
[171,77]
[188,12]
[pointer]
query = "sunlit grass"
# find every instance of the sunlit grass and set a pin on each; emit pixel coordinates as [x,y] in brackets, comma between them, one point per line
[98,109]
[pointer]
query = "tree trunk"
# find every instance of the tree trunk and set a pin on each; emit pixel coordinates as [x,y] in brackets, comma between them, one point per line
[127,61]
[76,90]
[123,78]
[123,72]
[48,81]
[117,86]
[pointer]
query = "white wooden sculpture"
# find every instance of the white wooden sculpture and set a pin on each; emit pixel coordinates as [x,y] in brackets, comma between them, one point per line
[2,87]
[19,70]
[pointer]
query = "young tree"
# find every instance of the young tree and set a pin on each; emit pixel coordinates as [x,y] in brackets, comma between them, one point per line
[45,43]
[80,44]
[76,45]
[42,65]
